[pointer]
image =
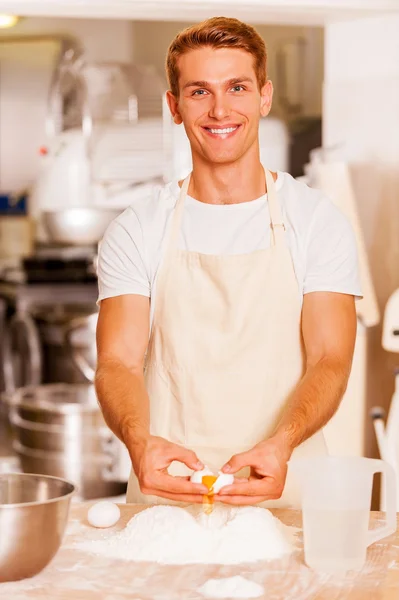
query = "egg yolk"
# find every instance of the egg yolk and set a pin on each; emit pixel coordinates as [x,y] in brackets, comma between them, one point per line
[209,481]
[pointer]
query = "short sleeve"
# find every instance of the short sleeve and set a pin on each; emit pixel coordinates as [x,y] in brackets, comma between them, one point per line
[121,267]
[331,253]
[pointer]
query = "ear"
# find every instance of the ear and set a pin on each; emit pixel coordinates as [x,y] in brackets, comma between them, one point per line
[266,96]
[173,104]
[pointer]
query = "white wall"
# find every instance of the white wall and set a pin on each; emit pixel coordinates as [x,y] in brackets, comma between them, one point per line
[152,38]
[361,112]
[25,73]
[104,40]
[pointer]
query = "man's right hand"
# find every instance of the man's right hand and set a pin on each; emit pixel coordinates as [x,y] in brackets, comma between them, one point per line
[151,458]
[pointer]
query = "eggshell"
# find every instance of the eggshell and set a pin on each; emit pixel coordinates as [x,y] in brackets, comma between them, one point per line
[103,514]
[223,480]
[197,476]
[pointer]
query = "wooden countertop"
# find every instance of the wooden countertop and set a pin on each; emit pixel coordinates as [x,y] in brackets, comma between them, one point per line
[74,575]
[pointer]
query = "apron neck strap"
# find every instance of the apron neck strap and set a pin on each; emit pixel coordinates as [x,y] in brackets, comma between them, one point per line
[177,214]
[276,218]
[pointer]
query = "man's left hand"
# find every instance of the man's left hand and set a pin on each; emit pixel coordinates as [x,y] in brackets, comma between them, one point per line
[268,471]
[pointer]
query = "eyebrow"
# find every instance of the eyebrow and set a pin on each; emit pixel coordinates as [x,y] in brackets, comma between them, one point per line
[204,84]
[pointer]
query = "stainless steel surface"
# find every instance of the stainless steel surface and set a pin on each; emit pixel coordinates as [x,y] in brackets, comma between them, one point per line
[59,430]
[80,338]
[68,335]
[33,516]
[73,405]
[10,464]
[88,472]
[5,430]
[22,353]
[57,438]
[78,226]
[24,296]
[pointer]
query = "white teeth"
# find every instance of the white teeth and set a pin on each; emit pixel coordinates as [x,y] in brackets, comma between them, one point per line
[227,130]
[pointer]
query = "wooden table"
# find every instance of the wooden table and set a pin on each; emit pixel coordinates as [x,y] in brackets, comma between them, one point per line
[75,575]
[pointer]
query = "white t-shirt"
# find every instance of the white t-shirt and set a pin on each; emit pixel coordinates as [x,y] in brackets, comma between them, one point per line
[319,237]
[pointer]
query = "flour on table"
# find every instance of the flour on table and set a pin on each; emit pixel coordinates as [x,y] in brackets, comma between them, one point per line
[174,535]
[231,587]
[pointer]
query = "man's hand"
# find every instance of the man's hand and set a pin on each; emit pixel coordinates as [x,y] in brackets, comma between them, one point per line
[151,459]
[268,464]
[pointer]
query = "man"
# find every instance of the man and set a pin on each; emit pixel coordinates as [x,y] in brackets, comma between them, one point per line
[227,318]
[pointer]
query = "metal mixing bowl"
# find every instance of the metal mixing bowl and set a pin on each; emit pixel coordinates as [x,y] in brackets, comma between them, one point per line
[33,516]
[78,226]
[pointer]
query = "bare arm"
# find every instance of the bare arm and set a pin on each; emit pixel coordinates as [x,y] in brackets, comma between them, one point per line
[329,331]
[122,339]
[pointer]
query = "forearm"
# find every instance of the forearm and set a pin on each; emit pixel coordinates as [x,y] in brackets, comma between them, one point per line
[313,402]
[124,401]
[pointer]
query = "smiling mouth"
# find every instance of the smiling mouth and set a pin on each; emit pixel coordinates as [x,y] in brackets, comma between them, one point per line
[221,131]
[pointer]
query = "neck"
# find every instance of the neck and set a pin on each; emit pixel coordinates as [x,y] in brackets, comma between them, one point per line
[228,183]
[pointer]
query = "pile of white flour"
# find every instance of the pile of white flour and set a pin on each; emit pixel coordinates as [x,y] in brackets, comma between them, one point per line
[173,535]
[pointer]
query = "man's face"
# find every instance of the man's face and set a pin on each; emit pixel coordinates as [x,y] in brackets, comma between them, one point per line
[220,103]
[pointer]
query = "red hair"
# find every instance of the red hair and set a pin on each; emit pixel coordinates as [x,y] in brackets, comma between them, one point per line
[218,32]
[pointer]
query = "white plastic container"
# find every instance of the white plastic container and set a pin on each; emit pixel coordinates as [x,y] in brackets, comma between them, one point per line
[336,499]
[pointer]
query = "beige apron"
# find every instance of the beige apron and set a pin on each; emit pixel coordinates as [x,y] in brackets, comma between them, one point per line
[225,350]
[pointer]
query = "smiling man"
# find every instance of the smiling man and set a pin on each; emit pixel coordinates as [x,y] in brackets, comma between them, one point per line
[227,316]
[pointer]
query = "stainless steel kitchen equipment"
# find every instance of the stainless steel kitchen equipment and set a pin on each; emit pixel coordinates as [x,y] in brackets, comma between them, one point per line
[79,226]
[44,302]
[88,472]
[73,406]
[33,516]
[59,430]
[38,298]
[68,341]
[80,338]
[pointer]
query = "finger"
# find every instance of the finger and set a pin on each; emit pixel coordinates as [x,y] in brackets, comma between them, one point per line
[239,480]
[186,456]
[242,500]
[253,487]
[176,485]
[238,462]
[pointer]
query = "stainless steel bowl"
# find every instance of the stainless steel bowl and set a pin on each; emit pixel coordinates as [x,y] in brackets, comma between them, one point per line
[33,516]
[78,226]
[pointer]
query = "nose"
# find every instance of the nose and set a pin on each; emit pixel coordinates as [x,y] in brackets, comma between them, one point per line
[220,108]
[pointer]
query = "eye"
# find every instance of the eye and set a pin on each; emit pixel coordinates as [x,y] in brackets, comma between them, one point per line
[238,88]
[199,93]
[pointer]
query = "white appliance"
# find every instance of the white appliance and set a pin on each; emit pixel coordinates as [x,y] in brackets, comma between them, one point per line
[105,139]
[387,432]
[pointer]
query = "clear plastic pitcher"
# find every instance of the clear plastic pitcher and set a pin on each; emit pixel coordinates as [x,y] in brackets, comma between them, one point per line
[336,499]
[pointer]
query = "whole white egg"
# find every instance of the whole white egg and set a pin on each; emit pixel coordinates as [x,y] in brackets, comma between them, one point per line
[103,514]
